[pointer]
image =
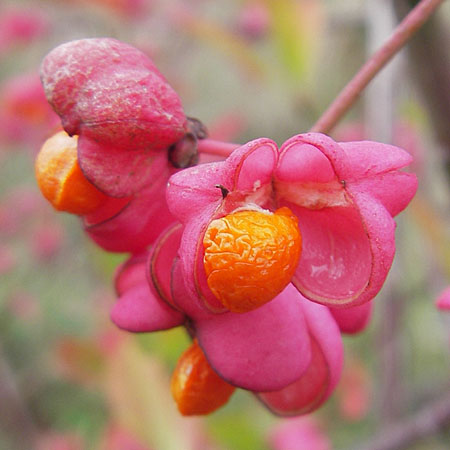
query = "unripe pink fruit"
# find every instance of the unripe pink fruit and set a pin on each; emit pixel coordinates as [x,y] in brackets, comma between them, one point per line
[112,93]
[113,97]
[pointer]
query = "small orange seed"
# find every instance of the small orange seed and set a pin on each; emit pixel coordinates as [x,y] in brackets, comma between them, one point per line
[196,388]
[250,256]
[61,180]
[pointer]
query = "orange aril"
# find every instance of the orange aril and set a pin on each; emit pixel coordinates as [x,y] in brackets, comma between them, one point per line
[251,256]
[195,386]
[61,180]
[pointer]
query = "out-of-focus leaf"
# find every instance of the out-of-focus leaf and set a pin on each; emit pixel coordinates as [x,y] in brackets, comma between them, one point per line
[433,228]
[64,406]
[218,37]
[80,359]
[248,432]
[296,27]
[106,262]
[138,391]
[167,345]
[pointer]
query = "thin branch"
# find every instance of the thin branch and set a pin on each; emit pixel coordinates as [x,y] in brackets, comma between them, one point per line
[217,148]
[434,76]
[404,31]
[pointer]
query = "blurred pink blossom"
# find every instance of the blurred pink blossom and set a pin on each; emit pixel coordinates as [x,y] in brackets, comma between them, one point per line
[443,300]
[299,434]
[21,26]
[59,441]
[126,9]
[254,19]
[117,438]
[354,394]
[25,115]
[47,240]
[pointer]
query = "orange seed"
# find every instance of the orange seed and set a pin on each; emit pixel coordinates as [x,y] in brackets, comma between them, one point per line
[196,388]
[60,178]
[251,256]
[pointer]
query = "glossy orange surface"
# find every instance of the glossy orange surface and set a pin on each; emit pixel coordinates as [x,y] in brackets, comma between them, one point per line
[196,388]
[61,180]
[251,256]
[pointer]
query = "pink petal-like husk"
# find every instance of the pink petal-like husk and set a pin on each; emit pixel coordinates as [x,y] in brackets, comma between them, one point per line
[112,92]
[111,207]
[303,163]
[331,149]
[443,300]
[116,171]
[185,300]
[191,257]
[160,263]
[305,176]
[194,198]
[315,386]
[138,310]
[380,229]
[130,107]
[65,70]
[366,159]
[393,189]
[336,260]
[353,161]
[138,224]
[348,235]
[325,330]
[130,273]
[192,189]
[372,166]
[335,263]
[347,253]
[353,320]
[262,350]
[248,169]
[251,166]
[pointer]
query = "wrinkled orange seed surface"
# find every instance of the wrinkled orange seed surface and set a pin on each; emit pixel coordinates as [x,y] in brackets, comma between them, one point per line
[251,256]
[196,388]
[61,180]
